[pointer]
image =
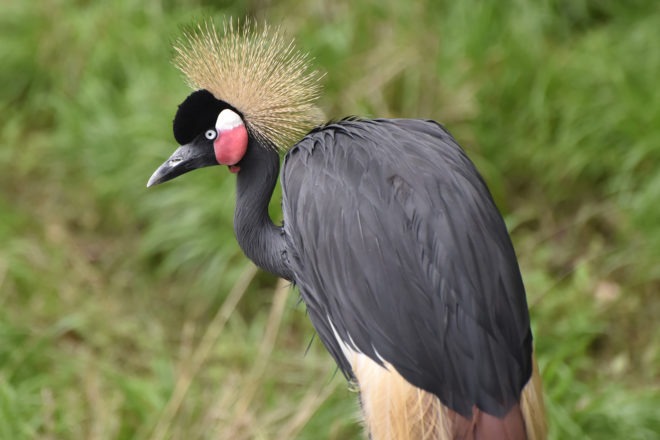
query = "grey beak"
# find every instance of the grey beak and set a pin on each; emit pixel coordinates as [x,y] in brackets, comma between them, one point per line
[185,158]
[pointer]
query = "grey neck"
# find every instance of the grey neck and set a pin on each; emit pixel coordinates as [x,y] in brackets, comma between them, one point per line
[262,241]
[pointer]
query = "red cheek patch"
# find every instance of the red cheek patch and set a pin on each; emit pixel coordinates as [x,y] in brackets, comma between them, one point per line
[230,145]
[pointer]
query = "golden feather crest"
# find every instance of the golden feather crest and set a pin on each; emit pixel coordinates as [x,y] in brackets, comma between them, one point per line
[258,72]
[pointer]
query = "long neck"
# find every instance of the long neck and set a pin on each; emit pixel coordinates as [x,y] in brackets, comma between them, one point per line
[262,241]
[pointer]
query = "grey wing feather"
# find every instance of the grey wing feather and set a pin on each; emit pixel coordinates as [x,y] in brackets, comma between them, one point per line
[397,246]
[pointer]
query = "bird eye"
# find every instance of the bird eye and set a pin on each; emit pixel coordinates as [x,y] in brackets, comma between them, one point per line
[210,134]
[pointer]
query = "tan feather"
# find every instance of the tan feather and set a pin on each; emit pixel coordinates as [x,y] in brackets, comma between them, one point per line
[257,71]
[533,408]
[394,409]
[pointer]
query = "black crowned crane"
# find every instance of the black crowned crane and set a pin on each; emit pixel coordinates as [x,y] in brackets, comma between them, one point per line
[391,235]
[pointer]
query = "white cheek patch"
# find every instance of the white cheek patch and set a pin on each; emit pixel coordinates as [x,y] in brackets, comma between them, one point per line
[227,120]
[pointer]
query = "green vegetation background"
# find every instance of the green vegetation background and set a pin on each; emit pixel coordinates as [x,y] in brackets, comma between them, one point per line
[129,313]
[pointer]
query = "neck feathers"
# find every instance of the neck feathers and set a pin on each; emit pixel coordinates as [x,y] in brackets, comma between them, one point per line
[262,241]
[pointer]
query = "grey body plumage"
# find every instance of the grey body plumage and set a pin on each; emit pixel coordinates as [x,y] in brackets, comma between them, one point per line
[393,236]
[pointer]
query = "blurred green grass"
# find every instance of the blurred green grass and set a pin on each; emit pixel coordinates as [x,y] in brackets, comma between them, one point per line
[129,313]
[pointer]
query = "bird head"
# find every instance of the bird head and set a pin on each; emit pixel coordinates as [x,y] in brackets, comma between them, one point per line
[252,90]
